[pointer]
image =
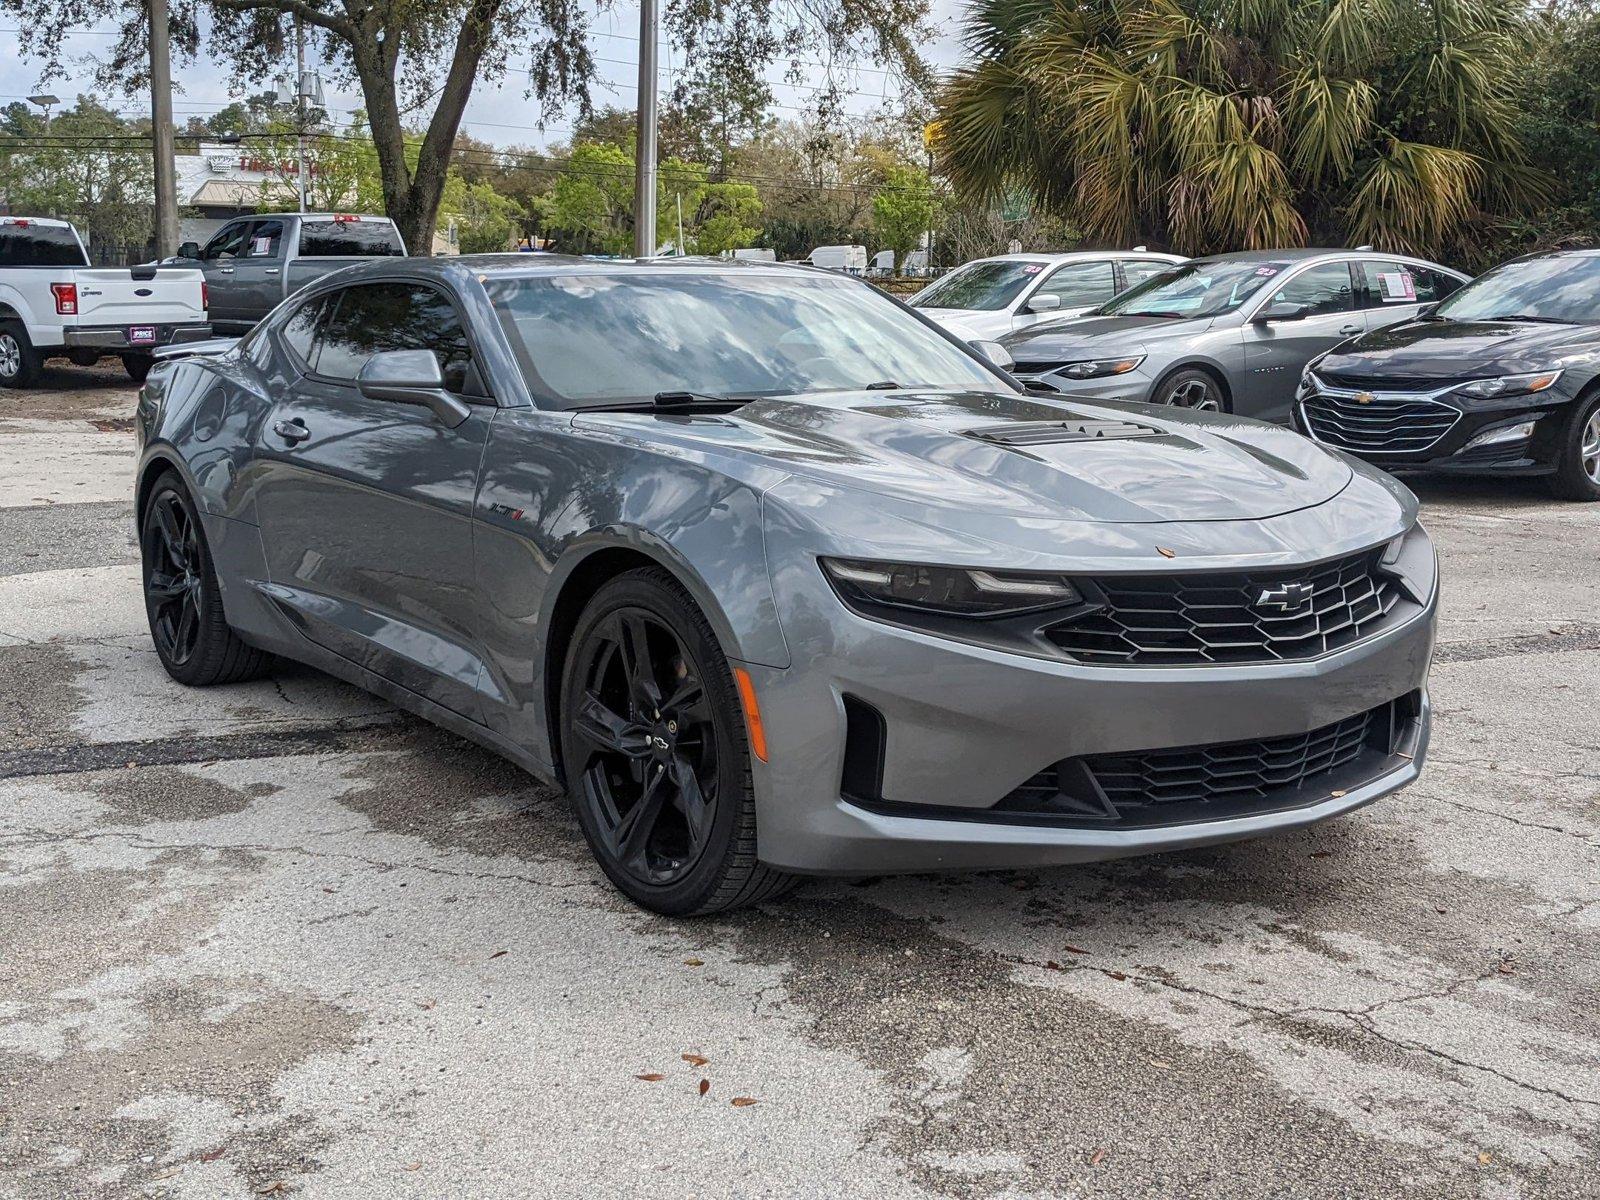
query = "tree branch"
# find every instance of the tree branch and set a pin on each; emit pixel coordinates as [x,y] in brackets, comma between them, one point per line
[294,8]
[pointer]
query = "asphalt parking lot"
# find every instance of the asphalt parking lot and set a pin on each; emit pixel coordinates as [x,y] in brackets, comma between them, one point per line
[278,939]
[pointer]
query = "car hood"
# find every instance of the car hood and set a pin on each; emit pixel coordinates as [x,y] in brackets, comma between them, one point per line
[1459,349]
[970,324]
[1090,335]
[1013,455]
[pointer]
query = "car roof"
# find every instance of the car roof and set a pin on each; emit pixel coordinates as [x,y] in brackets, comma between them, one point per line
[1055,256]
[460,267]
[50,222]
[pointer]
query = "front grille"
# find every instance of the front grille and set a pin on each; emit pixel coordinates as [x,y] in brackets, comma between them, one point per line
[1382,425]
[1205,617]
[1038,366]
[1221,780]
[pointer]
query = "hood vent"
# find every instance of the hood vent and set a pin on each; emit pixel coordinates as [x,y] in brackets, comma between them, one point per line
[1045,433]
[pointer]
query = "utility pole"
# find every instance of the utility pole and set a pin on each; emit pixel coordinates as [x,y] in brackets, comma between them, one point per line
[161,123]
[644,180]
[300,108]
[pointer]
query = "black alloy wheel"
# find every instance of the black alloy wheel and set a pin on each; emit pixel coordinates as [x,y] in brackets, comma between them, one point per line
[1191,389]
[656,754]
[181,596]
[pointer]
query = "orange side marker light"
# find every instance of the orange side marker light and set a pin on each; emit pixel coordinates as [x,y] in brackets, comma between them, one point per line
[752,712]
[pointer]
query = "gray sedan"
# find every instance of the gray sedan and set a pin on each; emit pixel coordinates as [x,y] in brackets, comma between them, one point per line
[777,578]
[1230,333]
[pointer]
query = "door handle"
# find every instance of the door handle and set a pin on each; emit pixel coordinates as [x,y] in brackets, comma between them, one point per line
[272,271]
[292,431]
[1349,329]
[225,270]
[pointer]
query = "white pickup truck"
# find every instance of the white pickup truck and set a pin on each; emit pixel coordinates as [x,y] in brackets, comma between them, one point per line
[53,304]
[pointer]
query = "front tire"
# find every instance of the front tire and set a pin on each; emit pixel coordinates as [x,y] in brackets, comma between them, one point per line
[1191,388]
[656,754]
[20,361]
[182,598]
[1577,474]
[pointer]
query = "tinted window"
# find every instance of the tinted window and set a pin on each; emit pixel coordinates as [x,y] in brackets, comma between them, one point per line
[374,317]
[39,246]
[1139,270]
[351,239]
[1081,284]
[228,243]
[598,339]
[983,286]
[1562,287]
[1197,289]
[1395,283]
[1321,289]
[301,326]
[265,241]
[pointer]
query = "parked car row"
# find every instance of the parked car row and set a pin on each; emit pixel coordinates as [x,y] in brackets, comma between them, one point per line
[1392,358]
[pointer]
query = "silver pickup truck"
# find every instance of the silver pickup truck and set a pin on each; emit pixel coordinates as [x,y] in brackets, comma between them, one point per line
[252,263]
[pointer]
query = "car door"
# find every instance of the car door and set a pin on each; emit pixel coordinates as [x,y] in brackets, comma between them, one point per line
[1275,351]
[1077,285]
[219,260]
[1393,290]
[366,505]
[257,283]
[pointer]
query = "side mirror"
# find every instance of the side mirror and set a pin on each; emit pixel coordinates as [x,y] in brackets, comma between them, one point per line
[1043,304]
[411,377]
[1282,310]
[189,250]
[995,354]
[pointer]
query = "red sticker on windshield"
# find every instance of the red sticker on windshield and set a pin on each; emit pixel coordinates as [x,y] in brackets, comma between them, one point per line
[1033,268]
[1267,271]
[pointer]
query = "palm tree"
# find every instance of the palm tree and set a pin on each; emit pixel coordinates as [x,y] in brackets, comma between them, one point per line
[1219,124]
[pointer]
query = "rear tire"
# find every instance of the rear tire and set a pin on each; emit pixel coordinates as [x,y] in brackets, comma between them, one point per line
[182,598]
[656,753]
[1577,474]
[137,366]
[20,361]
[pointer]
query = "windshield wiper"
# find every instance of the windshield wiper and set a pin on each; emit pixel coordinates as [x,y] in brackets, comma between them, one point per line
[1529,317]
[676,402]
[1160,312]
[883,385]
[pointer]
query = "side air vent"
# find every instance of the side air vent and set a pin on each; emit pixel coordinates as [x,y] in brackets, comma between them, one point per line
[864,745]
[1044,433]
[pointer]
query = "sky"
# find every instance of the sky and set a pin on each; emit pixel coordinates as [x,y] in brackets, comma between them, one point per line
[501,114]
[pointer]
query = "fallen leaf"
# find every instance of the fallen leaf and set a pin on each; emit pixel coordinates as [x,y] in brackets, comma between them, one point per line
[695,1060]
[694,962]
[1165,1066]
[743,1101]
[1506,968]
[416,1166]
[1484,1158]
[651,1077]
[425,1005]
[213,1155]
[1053,965]
[1165,553]
[705,1086]
[1071,949]
[1097,1157]
[165,1174]
[328,890]
[1441,911]
[1322,854]
[498,954]
[1117,975]
[276,1187]
[1337,792]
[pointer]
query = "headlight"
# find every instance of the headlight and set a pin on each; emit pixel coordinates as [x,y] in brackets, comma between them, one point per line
[1510,385]
[1094,368]
[946,591]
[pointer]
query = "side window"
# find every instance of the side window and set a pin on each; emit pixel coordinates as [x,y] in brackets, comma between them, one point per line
[1080,284]
[265,241]
[298,331]
[1136,271]
[1323,289]
[227,244]
[1392,283]
[374,317]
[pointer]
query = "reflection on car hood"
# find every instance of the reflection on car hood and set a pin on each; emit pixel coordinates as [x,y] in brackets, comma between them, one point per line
[1017,456]
[970,324]
[1060,340]
[1460,349]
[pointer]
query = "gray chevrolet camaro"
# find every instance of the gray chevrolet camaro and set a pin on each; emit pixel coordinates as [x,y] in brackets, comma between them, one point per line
[776,578]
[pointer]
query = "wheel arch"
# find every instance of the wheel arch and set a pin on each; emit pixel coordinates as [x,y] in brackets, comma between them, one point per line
[158,464]
[1217,374]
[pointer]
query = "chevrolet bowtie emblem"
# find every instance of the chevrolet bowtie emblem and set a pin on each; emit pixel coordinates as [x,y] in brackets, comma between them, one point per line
[1365,397]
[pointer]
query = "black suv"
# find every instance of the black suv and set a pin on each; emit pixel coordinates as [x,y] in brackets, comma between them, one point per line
[1503,377]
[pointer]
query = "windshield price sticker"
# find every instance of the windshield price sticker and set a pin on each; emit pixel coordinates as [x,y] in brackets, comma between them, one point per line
[261,247]
[1032,268]
[1266,272]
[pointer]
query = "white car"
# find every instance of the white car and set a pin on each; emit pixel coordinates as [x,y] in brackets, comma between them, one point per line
[54,304]
[989,297]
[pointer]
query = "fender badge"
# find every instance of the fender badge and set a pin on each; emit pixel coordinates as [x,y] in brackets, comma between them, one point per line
[1165,553]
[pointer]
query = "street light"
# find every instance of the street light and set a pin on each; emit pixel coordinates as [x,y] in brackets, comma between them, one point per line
[45,102]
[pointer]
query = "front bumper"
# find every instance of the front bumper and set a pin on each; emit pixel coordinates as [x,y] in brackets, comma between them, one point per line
[116,337]
[1453,450]
[966,725]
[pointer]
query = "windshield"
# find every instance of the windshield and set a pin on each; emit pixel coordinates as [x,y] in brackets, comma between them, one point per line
[1198,289]
[983,286]
[587,340]
[1537,289]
